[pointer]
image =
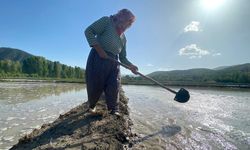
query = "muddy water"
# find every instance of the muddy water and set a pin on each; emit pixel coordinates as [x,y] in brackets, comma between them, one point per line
[214,118]
[25,106]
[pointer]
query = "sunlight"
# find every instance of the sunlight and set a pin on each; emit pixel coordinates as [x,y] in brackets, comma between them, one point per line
[211,4]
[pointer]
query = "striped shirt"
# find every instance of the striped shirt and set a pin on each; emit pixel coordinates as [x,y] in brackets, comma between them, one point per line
[103,32]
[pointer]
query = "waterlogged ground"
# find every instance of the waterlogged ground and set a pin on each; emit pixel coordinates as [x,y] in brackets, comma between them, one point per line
[25,106]
[214,118]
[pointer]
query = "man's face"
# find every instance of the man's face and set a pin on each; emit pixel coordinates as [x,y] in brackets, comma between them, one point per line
[129,23]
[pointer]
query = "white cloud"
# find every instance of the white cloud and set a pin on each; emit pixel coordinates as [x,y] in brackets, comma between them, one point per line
[193,51]
[194,26]
[149,65]
[216,54]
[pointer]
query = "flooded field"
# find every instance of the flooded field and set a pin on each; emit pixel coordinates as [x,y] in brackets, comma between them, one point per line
[214,118]
[26,106]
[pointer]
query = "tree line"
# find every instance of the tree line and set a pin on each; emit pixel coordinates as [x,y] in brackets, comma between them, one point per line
[37,66]
[228,77]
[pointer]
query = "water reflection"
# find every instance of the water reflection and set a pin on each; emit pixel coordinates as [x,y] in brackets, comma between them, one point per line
[166,131]
[214,118]
[13,93]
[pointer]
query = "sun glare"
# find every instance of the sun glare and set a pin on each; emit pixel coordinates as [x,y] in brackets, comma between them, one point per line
[212,4]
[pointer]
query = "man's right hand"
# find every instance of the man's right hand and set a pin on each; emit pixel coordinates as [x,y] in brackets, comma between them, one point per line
[103,55]
[100,51]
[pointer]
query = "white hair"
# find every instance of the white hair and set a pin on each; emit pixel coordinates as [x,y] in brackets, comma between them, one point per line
[122,17]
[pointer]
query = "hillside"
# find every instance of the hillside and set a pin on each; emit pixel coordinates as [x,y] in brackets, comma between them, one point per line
[181,74]
[230,74]
[221,67]
[237,75]
[15,63]
[241,68]
[13,54]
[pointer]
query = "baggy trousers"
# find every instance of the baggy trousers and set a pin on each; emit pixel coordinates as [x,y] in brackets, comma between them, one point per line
[102,75]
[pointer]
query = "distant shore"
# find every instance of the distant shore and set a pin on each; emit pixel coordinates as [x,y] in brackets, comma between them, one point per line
[170,83]
[50,80]
[189,84]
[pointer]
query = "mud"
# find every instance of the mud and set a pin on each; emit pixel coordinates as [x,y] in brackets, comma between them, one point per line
[77,129]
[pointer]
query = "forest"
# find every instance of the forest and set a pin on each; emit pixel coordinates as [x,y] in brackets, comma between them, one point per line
[36,66]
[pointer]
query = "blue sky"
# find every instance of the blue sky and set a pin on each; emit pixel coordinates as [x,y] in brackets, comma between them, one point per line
[167,34]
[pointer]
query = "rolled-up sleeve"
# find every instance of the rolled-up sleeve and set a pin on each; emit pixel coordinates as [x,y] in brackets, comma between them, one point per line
[97,28]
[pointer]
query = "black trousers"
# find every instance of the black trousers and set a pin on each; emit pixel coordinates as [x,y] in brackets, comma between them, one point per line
[102,75]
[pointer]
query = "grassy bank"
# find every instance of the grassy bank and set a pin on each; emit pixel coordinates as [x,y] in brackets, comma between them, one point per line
[32,79]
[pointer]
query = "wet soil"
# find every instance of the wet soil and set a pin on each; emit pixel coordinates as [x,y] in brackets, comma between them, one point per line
[77,129]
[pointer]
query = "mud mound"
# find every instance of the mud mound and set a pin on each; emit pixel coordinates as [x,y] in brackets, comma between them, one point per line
[77,130]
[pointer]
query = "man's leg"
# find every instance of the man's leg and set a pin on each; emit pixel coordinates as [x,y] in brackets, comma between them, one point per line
[94,78]
[112,89]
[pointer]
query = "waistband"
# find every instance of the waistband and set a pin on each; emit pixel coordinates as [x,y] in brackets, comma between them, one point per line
[109,54]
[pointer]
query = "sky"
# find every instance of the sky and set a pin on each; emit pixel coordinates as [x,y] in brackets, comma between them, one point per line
[167,34]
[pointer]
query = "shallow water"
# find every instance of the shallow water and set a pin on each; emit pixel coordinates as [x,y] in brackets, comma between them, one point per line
[26,106]
[214,118]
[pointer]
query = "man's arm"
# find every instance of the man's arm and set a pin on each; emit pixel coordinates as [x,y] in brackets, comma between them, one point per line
[124,60]
[98,27]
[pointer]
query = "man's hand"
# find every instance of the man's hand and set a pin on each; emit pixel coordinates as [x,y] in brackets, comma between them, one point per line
[133,69]
[100,51]
[103,55]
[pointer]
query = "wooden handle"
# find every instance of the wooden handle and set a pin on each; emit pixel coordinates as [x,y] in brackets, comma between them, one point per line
[146,77]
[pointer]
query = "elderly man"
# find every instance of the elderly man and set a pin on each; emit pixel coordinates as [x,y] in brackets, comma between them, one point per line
[107,39]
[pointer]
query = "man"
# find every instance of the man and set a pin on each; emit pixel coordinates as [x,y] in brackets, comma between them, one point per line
[107,39]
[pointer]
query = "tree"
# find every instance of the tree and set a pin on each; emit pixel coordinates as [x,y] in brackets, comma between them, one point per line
[57,69]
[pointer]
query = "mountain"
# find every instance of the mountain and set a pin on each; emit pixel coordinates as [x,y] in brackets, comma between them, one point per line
[239,68]
[17,63]
[13,54]
[230,74]
[190,72]
[202,71]
[220,68]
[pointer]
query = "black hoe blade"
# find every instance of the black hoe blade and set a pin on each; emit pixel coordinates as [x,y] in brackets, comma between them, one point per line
[182,96]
